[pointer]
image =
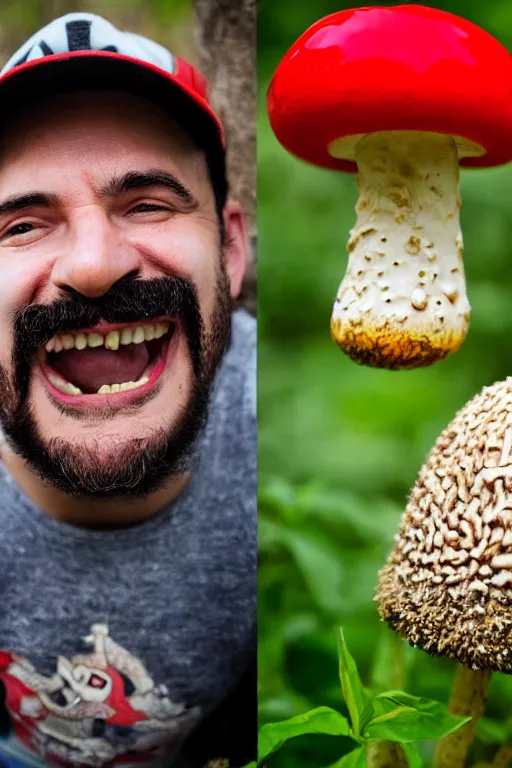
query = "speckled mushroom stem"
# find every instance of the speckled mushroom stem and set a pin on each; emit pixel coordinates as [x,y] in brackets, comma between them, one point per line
[385,754]
[402,302]
[469,697]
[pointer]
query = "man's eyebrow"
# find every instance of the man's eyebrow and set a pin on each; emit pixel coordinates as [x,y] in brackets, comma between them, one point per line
[152,178]
[18,203]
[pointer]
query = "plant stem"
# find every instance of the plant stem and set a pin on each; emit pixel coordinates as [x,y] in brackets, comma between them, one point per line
[385,754]
[398,663]
[217,764]
[469,697]
[503,758]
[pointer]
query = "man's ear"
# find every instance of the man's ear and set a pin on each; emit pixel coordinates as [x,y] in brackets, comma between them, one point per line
[237,248]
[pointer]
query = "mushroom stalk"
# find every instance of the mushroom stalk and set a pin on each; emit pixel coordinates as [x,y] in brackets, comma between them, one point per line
[385,754]
[402,302]
[503,758]
[469,697]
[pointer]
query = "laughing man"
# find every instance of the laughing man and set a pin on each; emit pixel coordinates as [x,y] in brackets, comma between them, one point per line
[127,483]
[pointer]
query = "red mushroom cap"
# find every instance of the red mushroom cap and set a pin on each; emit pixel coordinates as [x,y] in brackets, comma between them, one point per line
[405,68]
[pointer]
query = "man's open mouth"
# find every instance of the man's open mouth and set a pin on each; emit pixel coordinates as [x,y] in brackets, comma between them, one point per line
[117,360]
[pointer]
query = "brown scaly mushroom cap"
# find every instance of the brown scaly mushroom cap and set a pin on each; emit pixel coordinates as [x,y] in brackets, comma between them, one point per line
[447,585]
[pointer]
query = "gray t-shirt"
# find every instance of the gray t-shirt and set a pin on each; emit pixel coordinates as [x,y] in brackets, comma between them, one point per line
[114,645]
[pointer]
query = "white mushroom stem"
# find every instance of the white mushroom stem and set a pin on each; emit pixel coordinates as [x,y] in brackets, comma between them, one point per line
[402,302]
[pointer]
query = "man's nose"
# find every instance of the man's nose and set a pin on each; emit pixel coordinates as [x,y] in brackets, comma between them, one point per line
[96,255]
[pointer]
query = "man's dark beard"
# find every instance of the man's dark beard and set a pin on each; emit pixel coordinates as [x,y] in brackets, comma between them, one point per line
[140,465]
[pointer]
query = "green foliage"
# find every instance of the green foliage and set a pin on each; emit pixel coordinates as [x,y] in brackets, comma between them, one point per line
[321,720]
[340,445]
[392,716]
[354,759]
[404,718]
[413,755]
[357,700]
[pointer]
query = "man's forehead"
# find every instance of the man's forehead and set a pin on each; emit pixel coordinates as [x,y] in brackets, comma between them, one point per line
[103,128]
[79,113]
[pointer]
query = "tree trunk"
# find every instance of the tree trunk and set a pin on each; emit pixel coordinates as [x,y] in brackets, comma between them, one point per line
[226,39]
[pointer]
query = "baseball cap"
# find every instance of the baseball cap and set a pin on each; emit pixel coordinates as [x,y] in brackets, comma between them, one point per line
[82,52]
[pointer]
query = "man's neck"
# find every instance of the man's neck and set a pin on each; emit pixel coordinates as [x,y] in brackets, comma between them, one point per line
[90,513]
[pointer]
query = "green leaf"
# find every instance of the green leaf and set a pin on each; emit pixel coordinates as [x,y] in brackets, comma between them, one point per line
[490,731]
[357,701]
[412,753]
[404,718]
[322,720]
[319,560]
[278,494]
[354,759]
[250,765]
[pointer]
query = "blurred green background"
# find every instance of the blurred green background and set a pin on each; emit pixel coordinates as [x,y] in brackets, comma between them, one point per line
[340,445]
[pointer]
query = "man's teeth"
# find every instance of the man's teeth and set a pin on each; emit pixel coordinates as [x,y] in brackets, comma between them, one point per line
[63,386]
[112,340]
[106,389]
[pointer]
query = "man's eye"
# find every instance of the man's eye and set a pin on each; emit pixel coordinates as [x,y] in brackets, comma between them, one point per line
[19,229]
[148,208]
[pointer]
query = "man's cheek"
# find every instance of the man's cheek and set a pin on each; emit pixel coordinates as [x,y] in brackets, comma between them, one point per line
[188,248]
[207,281]
[6,352]
[22,283]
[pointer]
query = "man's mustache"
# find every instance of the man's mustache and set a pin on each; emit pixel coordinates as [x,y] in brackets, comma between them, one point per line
[131,301]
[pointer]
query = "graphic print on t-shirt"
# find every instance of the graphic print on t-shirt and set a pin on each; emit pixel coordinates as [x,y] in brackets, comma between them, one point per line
[99,709]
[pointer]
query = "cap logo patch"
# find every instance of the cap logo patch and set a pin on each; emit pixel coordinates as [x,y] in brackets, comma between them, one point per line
[79,35]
